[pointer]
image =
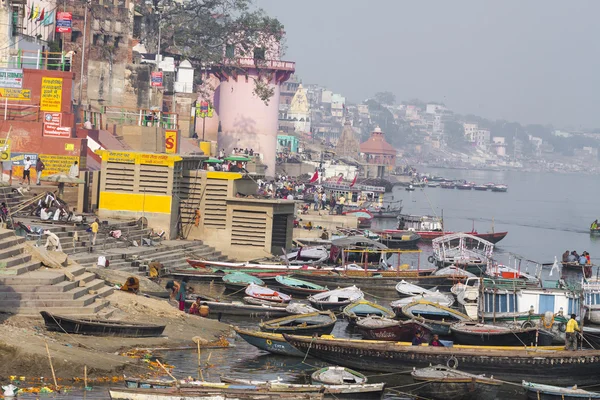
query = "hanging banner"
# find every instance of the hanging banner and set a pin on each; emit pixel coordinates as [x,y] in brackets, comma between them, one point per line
[157,79]
[11,78]
[171,141]
[51,96]
[64,22]
[15,94]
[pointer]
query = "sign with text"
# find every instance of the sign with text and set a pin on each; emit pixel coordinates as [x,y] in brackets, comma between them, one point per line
[171,142]
[64,22]
[11,78]
[4,150]
[15,94]
[51,96]
[53,126]
[157,79]
[55,163]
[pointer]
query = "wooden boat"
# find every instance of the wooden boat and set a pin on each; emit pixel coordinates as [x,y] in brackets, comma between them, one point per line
[437,317]
[442,299]
[212,391]
[441,382]
[480,187]
[337,298]
[318,323]
[264,293]
[300,308]
[298,286]
[400,240]
[383,213]
[433,184]
[492,335]
[506,272]
[344,391]
[365,218]
[464,186]
[464,251]
[408,289]
[259,302]
[447,185]
[239,280]
[337,376]
[248,310]
[543,364]
[381,328]
[499,188]
[304,255]
[271,342]
[595,232]
[454,270]
[409,188]
[364,308]
[536,391]
[96,327]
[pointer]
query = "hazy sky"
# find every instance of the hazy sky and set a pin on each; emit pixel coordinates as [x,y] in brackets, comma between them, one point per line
[531,61]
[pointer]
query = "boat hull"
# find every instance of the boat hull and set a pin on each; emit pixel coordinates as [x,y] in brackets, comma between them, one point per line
[400,332]
[455,390]
[245,309]
[273,343]
[237,393]
[99,328]
[527,337]
[428,236]
[512,364]
[305,324]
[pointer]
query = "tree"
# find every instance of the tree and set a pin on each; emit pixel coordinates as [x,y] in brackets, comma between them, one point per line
[455,134]
[203,30]
[387,98]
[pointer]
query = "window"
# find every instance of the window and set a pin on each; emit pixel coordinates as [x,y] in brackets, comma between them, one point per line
[259,53]
[75,35]
[229,51]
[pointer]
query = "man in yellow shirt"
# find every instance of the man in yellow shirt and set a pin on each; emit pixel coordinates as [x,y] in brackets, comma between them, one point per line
[94,231]
[571,336]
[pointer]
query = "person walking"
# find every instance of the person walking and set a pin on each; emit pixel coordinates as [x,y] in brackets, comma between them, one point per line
[27,170]
[39,167]
[570,335]
[94,226]
[180,296]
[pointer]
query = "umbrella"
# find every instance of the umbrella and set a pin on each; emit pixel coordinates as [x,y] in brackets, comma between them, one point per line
[61,177]
[238,158]
[213,161]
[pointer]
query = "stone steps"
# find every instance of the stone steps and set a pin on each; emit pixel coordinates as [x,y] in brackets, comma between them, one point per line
[74,311]
[82,301]
[72,294]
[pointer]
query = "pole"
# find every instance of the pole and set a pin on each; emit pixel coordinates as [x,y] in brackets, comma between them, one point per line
[203,126]
[51,366]
[83,52]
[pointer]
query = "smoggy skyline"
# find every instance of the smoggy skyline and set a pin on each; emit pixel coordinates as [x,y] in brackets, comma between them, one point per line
[532,62]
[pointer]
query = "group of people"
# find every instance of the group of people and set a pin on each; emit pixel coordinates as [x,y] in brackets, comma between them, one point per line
[40,167]
[594,225]
[573,257]
[419,339]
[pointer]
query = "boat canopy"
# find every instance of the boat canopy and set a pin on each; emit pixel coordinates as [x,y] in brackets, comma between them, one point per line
[350,241]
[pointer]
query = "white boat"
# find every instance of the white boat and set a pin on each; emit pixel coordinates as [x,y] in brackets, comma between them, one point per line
[453,270]
[467,295]
[316,254]
[264,293]
[336,298]
[408,289]
[591,296]
[506,272]
[300,308]
[468,252]
[442,299]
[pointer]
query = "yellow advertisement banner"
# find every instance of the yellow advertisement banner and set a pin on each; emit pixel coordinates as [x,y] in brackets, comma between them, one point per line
[119,157]
[4,149]
[15,94]
[51,96]
[132,157]
[55,163]
[171,142]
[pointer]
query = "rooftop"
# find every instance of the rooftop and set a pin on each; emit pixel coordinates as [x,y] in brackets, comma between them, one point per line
[376,144]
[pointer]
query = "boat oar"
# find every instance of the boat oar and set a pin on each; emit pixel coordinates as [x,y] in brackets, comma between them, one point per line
[51,366]
[168,373]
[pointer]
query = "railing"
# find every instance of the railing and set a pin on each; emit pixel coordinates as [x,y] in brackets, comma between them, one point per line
[140,117]
[37,59]
[258,63]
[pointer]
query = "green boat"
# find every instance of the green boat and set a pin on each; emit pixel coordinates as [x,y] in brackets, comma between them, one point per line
[298,286]
[595,232]
[239,280]
[364,308]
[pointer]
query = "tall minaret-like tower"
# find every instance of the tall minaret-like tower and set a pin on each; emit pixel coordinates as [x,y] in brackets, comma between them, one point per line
[246,120]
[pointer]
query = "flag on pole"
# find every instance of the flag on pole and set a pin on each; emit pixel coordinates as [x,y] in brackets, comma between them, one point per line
[36,12]
[30,12]
[49,20]
[315,177]
[41,17]
[354,180]
[341,178]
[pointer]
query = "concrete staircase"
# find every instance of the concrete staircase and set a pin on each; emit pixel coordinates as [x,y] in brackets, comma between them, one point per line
[27,289]
[171,254]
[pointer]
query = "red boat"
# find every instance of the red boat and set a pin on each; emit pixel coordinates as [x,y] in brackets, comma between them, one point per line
[364,217]
[430,228]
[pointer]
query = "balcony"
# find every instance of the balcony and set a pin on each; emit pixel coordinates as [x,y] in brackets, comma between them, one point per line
[37,59]
[277,65]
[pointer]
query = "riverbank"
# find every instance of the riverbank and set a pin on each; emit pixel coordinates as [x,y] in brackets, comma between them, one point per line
[23,341]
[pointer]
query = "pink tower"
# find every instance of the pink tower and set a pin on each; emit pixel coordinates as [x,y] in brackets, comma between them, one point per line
[246,120]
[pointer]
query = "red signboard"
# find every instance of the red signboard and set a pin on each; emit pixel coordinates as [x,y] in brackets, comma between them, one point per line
[52,126]
[157,79]
[64,22]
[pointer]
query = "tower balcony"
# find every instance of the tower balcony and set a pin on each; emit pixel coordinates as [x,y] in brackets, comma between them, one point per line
[233,68]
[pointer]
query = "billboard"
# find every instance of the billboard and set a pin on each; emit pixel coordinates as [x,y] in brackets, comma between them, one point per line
[11,78]
[64,22]
[171,141]
[51,96]
[157,79]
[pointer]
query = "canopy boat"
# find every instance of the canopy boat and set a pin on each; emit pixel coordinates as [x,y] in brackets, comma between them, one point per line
[241,309]
[464,251]
[303,255]
[364,308]
[264,293]
[430,227]
[408,289]
[343,391]
[492,335]
[212,391]
[300,308]
[97,327]
[436,316]
[400,240]
[239,280]
[381,328]
[337,298]
[317,323]
[355,249]
[499,188]
[442,299]
[543,364]
[260,302]
[337,376]
[536,391]
[298,286]
[441,382]
[271,342]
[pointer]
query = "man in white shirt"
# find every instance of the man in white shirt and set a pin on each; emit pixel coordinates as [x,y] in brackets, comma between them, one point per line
[45,214]
[27,170]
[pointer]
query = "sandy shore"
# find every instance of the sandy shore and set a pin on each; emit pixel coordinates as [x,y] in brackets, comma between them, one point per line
[23,350]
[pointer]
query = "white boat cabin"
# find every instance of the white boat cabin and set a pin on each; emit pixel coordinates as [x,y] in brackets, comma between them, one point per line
[356,195]
[420,223]
[536,301]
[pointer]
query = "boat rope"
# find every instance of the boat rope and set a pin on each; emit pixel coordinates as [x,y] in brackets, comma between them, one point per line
[308,350]
[390,373]
[392,389]
[377,297]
